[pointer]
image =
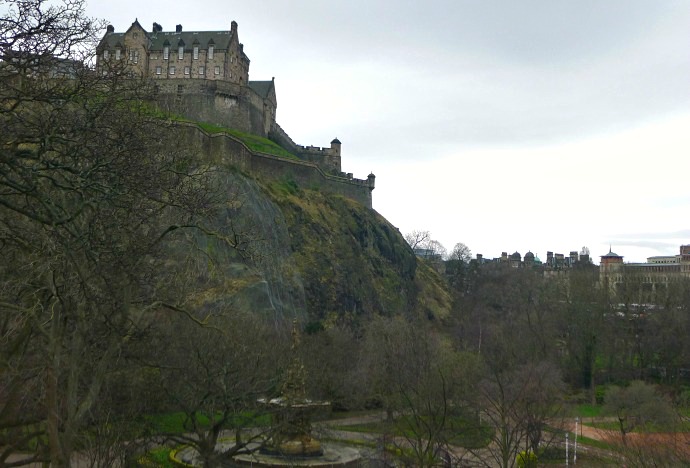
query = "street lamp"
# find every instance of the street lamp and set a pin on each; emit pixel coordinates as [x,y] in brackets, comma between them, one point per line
[577,421]
[566,449]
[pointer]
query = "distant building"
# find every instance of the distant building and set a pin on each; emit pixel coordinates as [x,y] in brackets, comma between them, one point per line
[651,277]
[554,262]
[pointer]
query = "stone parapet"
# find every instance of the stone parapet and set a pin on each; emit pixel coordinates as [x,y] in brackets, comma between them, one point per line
[225,148]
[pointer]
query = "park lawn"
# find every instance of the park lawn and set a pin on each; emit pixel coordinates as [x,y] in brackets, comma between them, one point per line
[465,433]
[680,426]
[157,458]
[586,411]
[174,423]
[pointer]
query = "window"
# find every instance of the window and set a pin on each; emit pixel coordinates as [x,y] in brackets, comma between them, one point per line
[196,52]
[180,52]
[201,70]
[106,54]
[217,70]
[117,54]
[186,70]
[172,70]
[159,70]
[166,52]
[210,52]
[134,56]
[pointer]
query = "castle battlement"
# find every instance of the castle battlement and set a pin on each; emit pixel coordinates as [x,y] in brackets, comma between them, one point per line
[225,148]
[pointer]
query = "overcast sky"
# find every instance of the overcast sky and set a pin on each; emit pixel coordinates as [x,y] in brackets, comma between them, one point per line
[505,125]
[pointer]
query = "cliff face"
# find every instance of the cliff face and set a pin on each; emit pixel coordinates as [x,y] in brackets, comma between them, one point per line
[319,257]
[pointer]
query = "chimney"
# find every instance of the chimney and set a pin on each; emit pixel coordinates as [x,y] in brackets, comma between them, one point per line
[110,29]
[178,28]
[157,28]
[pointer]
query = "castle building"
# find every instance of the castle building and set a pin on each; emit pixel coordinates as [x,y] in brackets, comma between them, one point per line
[204,75]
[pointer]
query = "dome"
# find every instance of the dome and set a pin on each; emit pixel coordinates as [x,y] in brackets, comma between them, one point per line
[336,141]
[529,255]
[611,255]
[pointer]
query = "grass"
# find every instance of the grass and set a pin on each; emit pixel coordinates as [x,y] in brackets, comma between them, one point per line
[253,142]
[465,433]
[587,411]
[158,458]
[683,426]
[174,423]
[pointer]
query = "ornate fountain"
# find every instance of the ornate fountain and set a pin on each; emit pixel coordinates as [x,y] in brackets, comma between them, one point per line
[292,442]
[293,412]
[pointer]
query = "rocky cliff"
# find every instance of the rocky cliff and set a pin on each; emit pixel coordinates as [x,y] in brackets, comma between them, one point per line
[317,257]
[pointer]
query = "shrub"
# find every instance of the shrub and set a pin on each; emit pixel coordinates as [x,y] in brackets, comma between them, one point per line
[526,459]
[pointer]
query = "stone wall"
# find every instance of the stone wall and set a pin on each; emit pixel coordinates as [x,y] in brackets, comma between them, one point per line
[225,104]
[221,148]
[325,158]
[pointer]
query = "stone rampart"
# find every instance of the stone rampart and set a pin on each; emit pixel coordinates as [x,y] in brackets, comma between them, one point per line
[222,148]
[219,102]
[325,157]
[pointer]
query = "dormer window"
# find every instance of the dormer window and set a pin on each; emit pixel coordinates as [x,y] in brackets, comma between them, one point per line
[166,53]
[196,52]
[210,52]
[180,52]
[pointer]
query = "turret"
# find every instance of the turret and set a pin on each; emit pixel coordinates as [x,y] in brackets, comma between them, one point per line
[371,179]
[335,147]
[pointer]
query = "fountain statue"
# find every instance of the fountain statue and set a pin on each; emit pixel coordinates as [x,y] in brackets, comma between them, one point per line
[292,442]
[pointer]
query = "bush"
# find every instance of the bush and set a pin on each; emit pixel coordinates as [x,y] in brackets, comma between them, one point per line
[526,459]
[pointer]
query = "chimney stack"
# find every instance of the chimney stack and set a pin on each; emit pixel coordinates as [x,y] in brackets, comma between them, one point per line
[110,29]
[178,28]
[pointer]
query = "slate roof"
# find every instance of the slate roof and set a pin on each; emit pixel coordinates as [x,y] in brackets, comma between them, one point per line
[262,88]
[220,39]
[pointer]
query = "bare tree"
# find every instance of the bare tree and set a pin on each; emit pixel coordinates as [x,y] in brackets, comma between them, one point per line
[92,191]
[215,376]
[637,406]
[461,253]
[418,239]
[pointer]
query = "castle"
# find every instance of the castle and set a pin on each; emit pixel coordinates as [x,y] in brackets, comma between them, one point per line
[204,75]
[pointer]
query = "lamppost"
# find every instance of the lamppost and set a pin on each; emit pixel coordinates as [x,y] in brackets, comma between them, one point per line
[577,421]
[566,449]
